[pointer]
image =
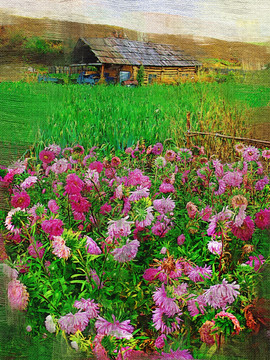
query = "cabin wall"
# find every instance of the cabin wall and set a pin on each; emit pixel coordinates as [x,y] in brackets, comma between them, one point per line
[165,74]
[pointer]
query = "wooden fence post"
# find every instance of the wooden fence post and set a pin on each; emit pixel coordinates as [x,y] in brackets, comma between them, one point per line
[188,129]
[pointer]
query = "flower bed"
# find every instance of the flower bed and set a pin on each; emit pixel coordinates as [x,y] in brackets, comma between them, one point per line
[152,254]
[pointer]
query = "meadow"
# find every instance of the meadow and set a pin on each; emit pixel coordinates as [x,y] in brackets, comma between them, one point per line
[119,116]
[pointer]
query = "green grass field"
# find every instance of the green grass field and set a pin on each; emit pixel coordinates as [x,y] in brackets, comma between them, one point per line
[119,116]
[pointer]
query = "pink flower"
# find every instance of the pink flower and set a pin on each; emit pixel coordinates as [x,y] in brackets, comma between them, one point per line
[240,217]
[96,165]
[160,229]
[159,343]
[9,224]
[199,273]
[184,155]
[99,350]
[46,156]
[164,302]
[163,250]
[91,246]
[59,248]
[220,295]
[181,239]
[215,247]
[266,154]
[150,274]
[88,306]
[218,168]
[176,355]
[53,227]
[17,295]
[166,188]
[79,216]
[115,162]
[74,184]
[56,149]
[105,209]
[60,166]
[262,219]
[196,305]
[219,222]
[134,178]
[72,323]
[28,182]
[138,194]
[126,252]
[180,289]
[221,188]
[191,209]
[53,207]
[157,149]
[206,213]
[36,250]
[170,155]
[148,218]
[164,322]
[233,178]
[251,153]
[21,200]
[234,320]
[256,262]
[119,330]
[245,231]
[119,228]
[206,331]
[163,206]
[95,278]
[9,272]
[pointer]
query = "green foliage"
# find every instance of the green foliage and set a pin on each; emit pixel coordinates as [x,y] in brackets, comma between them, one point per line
[39,45]
[140,75]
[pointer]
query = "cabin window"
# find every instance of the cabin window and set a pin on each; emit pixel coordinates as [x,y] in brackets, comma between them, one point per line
[151,78]
[123,76]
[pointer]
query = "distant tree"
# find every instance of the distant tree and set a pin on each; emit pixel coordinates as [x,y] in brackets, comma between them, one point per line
[140,75]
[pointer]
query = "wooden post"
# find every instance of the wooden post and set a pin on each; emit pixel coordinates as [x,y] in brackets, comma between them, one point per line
[188,129]
[102,71]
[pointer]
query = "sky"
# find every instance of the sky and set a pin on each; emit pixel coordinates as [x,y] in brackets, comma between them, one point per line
[242,20]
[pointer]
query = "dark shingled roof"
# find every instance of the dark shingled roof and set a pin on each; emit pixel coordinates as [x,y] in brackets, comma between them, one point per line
[129,52]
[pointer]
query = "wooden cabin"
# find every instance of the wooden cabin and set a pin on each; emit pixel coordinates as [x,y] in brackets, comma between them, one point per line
[122,58]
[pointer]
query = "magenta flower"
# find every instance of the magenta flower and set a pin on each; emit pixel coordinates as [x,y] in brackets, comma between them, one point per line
[79,203]
[163,206]
[28,182]
[46,156]
[59,248]
[88,306]
[245,231]
[126,252]
[157,149]
[215,247]
[266,154]
[79,216]
[60,166]
[196,274]
[119,330]
[260,184]
[105,209]
[251,153]
[159,343]
[160,229]
[164,302]
[36,250]
[119,228]
[138,194]
[220,295]
[256,262]
[17,295]
[53,227]
[206,213]
[71,323]
[196,305]
[164,322]
[21,200]
[74,184]
[181,239]
[134,178]
[221,188]
[92,247]
[150,274]
[176,355]
[96,165]
[262,219]
[53,207]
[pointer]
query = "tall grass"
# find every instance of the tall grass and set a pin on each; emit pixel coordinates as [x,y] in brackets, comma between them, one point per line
[118,116]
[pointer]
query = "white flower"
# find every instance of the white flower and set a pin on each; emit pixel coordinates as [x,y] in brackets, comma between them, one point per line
[49,324]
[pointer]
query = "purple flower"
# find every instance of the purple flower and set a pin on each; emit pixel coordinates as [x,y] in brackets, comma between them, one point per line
[88,306]
[260,184]
[256,262]
[181,239]
[195,274]
[60,166]
[157,149]
[164,322]
[148,219]
[126,252]
[233,178]
[220,295]
[215,247]
[251,153]
[92,247]
[221,188]
[119,330]
[159,343]
[119,228]
[165,303]
[219,222]
[166,188]
[71,323]
[163,206]
[52,205]
[181,289]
